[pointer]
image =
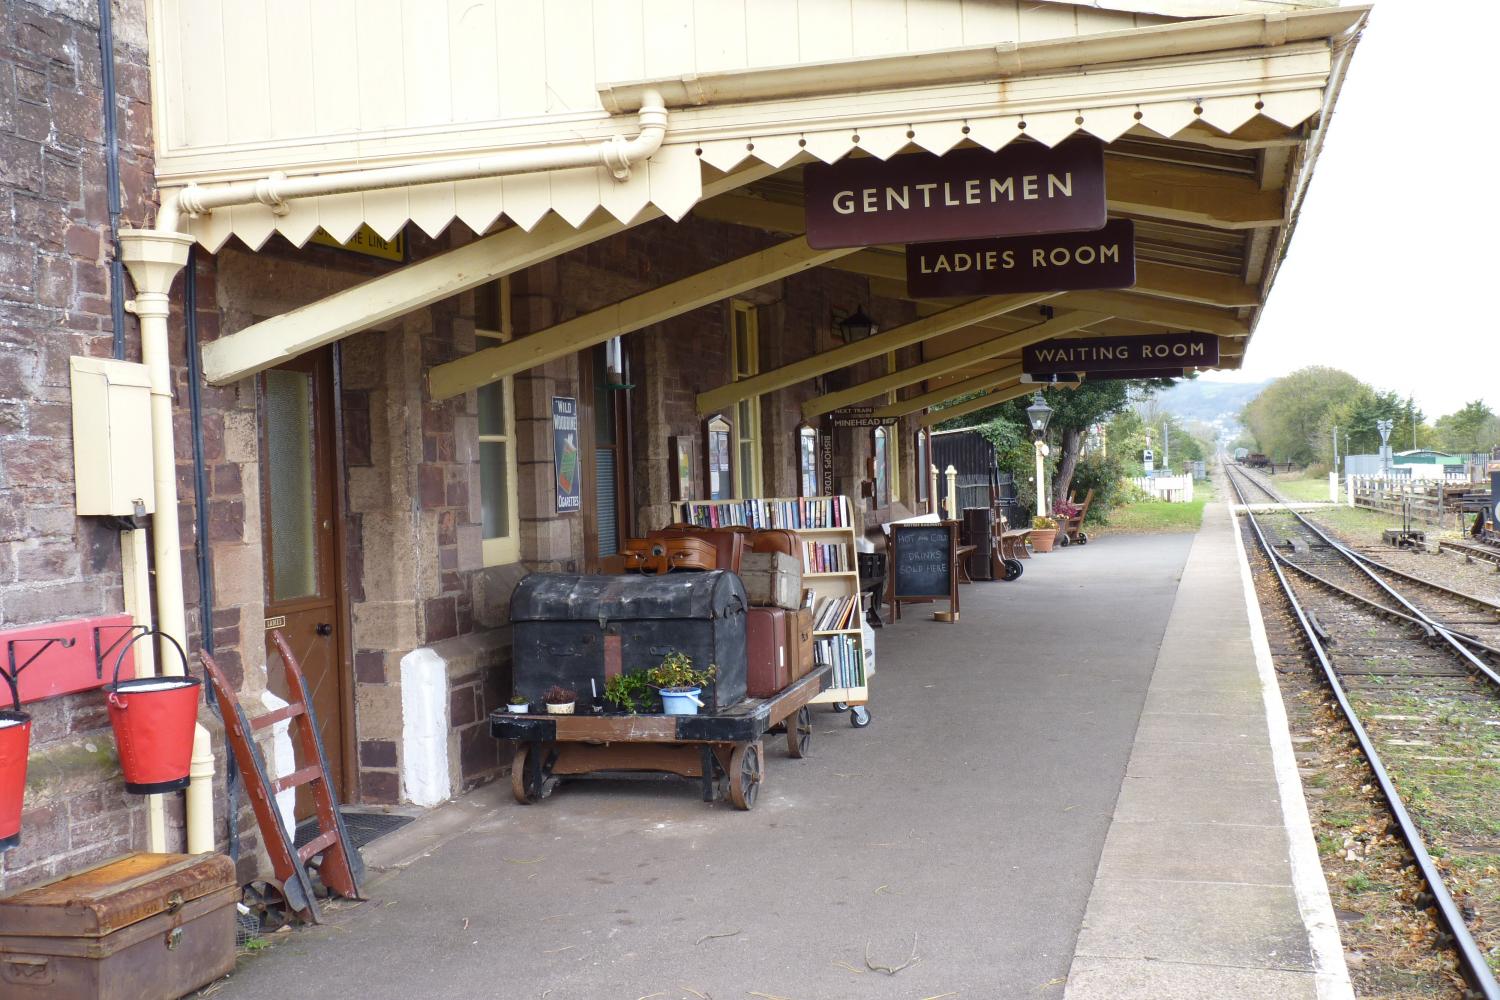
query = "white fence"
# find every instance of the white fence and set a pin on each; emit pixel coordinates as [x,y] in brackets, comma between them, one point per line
[1172,489]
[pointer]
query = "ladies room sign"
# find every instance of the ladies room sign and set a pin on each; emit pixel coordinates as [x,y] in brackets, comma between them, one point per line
[565,459]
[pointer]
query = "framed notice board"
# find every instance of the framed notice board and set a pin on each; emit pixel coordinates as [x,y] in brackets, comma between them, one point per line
[923,566]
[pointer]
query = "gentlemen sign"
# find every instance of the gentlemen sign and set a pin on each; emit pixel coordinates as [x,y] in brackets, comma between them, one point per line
[1050,263]
[1025,188]
[1121,354]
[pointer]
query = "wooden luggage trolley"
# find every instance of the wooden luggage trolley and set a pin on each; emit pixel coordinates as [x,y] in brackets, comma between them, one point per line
[724,750]
[830,573]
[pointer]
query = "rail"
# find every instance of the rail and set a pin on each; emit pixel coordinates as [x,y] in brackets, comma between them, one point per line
[1471,959]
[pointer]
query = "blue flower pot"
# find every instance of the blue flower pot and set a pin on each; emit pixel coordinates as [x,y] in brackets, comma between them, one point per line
[681,701]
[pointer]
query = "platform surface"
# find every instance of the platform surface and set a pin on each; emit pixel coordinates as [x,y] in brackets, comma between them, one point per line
[970,817]
[1209,884]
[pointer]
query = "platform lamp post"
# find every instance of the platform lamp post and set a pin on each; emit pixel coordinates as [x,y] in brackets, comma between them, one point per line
[1039,413]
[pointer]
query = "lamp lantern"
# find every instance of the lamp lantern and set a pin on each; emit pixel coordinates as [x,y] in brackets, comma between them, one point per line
[1039,413]
[857,326]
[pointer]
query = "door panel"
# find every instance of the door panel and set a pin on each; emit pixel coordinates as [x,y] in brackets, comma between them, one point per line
[300,525]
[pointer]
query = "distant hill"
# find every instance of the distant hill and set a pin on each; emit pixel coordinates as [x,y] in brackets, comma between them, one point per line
[1210,402]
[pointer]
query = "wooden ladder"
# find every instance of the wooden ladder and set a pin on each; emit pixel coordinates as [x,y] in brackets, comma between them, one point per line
[340,867]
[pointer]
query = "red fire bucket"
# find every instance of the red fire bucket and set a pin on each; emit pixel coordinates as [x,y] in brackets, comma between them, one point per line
[15,743]
[153,720]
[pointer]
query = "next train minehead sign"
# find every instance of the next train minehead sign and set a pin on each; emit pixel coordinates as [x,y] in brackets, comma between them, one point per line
[1053,262]
[1148,352]
[1024,189]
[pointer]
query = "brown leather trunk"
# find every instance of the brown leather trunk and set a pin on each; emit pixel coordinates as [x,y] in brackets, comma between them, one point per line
[799,642]
[776,540]
[728,543]
[140,927]
[767,659]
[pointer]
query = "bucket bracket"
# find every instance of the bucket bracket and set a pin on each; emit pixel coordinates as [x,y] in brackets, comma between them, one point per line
[13,672]
[102,652]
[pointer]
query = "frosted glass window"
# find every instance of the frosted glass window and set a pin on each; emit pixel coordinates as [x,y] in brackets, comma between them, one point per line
[289,444]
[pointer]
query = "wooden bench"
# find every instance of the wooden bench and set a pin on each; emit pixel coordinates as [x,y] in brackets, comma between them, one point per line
[1013,543]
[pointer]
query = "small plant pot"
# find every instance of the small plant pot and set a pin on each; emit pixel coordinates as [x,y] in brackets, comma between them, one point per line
[518,707]
[681,701]
[560,709]
[15,745]
[1041,541]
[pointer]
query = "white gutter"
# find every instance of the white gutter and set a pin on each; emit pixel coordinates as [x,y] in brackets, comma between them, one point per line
[617,154]
[984,62]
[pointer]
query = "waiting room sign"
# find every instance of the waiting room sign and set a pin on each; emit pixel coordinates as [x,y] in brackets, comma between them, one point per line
[1024,189]
[1137,354]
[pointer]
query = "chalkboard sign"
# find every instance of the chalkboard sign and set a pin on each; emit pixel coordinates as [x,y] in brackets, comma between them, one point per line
[922,567]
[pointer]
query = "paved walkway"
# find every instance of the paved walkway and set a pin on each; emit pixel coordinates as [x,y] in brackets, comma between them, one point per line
[1210,881]
[971,817]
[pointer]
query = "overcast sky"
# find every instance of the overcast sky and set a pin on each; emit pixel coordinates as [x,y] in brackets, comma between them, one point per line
[1388,270]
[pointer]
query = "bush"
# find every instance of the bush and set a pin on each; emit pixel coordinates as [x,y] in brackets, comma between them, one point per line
[1105,475]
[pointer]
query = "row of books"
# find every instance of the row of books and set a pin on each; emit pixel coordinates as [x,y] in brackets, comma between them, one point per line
[806,512]
[848,665]
[824,557]
[833,613]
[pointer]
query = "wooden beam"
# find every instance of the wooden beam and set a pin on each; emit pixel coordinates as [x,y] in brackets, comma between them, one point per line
[1000,395]
[278,339]
[1160,312]
[673,299]
[979,383]
[939,323]
[1182,194]
[1187,284]
[941,365]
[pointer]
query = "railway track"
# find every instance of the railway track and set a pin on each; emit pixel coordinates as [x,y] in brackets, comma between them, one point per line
[1412,667]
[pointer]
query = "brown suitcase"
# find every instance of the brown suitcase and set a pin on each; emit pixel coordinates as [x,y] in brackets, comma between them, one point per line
[728,545]
[799,642]
[665,553]
[140,927]
[776,540]
[767,663]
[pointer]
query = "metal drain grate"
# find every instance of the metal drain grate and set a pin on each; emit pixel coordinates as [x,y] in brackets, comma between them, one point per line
[363,827]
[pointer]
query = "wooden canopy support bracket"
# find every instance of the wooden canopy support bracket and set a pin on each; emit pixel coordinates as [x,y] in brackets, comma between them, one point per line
[979,383]
[1065,323]
[277,340]
[1001,395]
[939,323]
[654,306]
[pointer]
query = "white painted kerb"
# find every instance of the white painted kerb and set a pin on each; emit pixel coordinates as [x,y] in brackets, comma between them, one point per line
[1330,971]
[424,728]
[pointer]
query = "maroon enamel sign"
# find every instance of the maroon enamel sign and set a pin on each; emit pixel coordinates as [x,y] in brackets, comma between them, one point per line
[1144,353]
[1024,189]
[1053,262]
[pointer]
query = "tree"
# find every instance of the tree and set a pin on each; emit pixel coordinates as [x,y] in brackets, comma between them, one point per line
[1472,428]
[1289,417]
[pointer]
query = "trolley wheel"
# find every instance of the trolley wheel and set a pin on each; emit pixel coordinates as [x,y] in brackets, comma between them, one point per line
[1013,569]
[840,706]
[746,766]
[1063,541]
[1083,539]
[859,718]
[531,774]
[799,733]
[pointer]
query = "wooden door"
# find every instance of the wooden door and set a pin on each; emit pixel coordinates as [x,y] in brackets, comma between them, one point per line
[302,540]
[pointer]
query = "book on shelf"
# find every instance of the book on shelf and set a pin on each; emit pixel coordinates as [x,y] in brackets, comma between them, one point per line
[844,654]
[831,614]
[800,513]
[825,557]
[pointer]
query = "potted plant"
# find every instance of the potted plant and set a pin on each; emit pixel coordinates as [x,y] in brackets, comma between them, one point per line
[679,683]
[517,704]
[1043,533]
[627,692]
[559,700]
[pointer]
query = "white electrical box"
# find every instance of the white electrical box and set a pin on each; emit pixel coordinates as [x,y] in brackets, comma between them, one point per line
[111,436]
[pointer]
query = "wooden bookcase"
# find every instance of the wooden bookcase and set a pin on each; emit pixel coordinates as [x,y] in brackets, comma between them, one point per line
[804,515]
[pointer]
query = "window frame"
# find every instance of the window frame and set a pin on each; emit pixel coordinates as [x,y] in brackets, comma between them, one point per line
[880,465]
[805,429]
[747,475]
[505,549]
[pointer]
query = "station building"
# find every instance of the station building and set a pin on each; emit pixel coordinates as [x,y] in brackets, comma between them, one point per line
[376,250]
